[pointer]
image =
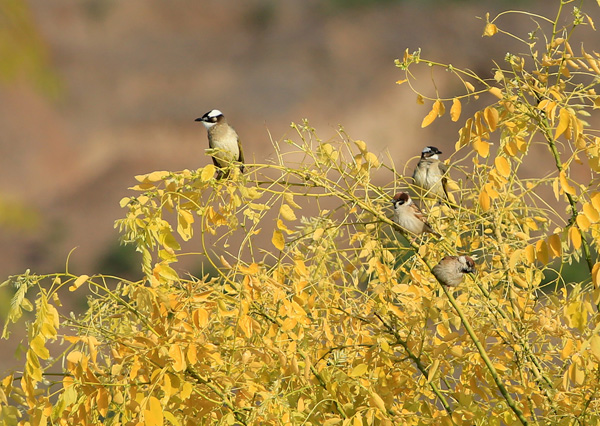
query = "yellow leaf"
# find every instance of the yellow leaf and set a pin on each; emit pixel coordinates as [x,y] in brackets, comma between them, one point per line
[207,173]
[438,106]
[484,201]
[455,110]
[491,117]
[32,366]
[153,415]
[152,177]
[185,218]
[176,354]
[541,251]
[200,317]
[102,401]
[38,345]
[167,239]
[503,166]
[591,213]
[359,370]
[575,237]
[595,197]
[496,92]
[371,159]
[489,30]
[401,81]
[510,148]
[171,418]
[429,118]
[596,275]
[432,370]
[75,357]
[78,282]
[520,282]
[563,122]
[166,272]
[595,346]
[247,325]
[289,198]
[465,134]
[361,145]
[582,222]
[481,147]
[376,401]
[555,246]
[565,185]
[567,349]
[288,324]
[318,234]
[492,193]
[576,314]
[530,253]
[278,240]
[515,258]
[469,86]
[589,18]
[287,213]
[225,263]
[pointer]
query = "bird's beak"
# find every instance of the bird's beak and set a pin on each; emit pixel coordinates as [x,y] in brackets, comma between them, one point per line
[199,119]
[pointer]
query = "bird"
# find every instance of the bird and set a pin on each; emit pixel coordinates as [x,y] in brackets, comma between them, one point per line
[223,140]
[409,217]
[430,174]
[451,269]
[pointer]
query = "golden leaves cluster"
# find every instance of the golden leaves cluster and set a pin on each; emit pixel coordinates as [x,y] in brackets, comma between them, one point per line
[329,316]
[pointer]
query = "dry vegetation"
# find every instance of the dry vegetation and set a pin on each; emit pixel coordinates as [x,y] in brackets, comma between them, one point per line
[339,320]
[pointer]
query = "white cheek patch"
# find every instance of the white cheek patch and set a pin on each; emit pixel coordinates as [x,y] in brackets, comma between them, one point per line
[215,113]
[435,157]
[208,125]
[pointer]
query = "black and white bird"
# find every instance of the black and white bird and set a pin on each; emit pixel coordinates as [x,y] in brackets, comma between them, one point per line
[451,269]
[223,141]
[430,174]
[409,217]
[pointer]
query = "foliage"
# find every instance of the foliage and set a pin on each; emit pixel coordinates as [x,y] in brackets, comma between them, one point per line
[319,312]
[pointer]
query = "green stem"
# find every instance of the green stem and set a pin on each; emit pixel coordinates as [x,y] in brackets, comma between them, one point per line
[572,202]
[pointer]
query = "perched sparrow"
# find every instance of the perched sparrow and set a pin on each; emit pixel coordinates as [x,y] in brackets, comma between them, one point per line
[451,269]
[430,173]
[223,140]
[409,216]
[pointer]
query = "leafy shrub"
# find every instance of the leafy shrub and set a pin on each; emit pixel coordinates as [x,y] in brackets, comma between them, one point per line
[335,318]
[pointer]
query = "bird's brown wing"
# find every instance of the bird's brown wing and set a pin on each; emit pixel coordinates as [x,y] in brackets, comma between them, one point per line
[444,170]
[241,156]
[421,216]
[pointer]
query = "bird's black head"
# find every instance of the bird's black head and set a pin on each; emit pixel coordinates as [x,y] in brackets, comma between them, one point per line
[212,116]
[430,151]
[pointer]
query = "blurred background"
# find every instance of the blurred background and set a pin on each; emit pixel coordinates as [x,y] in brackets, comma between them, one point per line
[93,92]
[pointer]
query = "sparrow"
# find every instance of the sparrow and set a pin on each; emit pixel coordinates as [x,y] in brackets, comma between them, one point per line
[409,216]
[224,140]
[430,173]
[451,269]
